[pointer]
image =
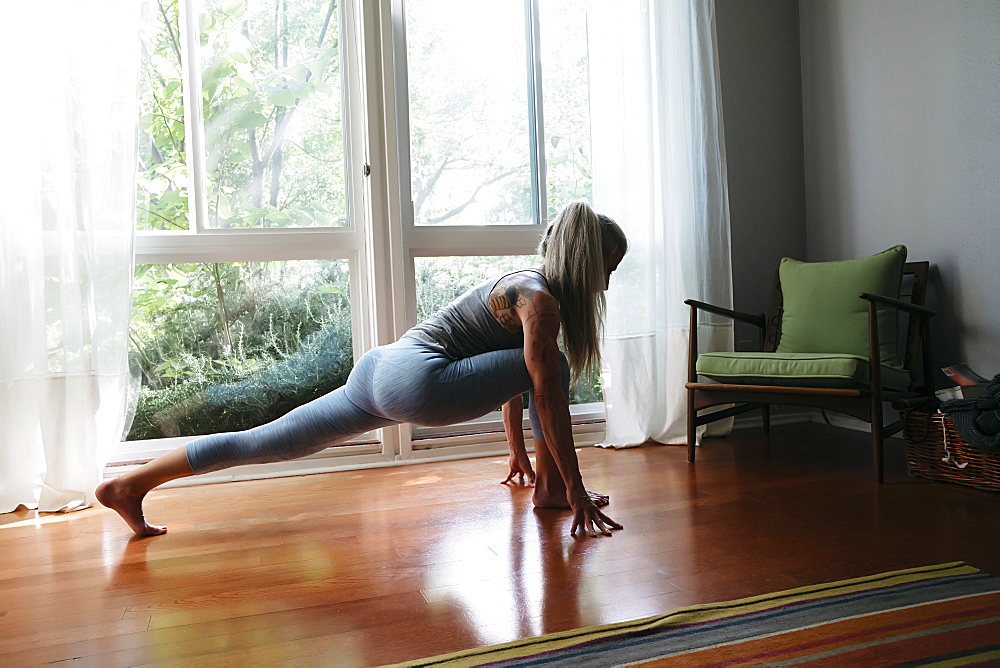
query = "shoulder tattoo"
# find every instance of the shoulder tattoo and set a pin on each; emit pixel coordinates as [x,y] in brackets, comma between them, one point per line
[504,298]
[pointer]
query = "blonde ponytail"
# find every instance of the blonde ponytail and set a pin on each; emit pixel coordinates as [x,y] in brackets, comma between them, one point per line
[573,250]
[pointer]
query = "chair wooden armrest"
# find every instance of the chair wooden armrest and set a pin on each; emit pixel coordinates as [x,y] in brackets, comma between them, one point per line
[920,311]
[757,320]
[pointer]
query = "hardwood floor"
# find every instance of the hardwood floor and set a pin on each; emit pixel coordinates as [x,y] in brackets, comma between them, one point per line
[378,566]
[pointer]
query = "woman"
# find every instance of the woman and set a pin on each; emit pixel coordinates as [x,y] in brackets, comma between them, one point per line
[483,350]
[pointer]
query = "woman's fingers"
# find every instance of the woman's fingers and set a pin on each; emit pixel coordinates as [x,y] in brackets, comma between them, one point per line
[520,467]
[520,477]
[611,522]
[589,519]
[525,468]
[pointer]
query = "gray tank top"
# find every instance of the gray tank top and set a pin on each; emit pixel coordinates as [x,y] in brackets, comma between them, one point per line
[466,327]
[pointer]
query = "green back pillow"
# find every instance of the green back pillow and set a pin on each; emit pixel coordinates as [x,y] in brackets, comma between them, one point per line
[822,311]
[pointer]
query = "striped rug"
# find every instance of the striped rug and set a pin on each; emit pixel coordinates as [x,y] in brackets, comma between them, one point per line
[944,615]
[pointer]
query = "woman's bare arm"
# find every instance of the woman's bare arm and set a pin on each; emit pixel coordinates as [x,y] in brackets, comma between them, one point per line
[520,463]
[538,313]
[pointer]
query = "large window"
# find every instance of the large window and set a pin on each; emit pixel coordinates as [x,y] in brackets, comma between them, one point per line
[470,134]
[316,175]
[498,110]
[240,314]
[162,182]
[228,346]
[267,146]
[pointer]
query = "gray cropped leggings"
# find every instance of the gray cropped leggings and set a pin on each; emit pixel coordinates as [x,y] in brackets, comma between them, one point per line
[407,381]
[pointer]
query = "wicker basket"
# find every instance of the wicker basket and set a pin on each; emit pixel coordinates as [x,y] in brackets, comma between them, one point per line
[935,450]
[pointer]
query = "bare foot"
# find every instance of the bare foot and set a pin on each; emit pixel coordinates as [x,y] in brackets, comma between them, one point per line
[543,499]
[129,506]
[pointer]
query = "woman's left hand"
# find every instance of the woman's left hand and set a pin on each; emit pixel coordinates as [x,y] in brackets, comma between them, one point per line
[520,466]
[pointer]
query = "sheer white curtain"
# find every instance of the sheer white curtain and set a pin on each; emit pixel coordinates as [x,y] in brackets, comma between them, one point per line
[659,170]
[66,225]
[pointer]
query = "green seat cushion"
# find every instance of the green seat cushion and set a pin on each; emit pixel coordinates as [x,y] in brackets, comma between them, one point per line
[822,312]
[798,370]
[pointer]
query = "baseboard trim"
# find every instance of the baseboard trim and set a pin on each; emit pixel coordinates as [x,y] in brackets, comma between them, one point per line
[756,421]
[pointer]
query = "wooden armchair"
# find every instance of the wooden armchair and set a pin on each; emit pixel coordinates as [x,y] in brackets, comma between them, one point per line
[842,381]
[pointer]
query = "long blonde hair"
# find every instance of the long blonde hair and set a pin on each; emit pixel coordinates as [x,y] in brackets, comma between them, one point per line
[573,250]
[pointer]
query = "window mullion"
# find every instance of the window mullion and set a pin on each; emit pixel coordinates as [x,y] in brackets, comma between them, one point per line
[194,116]
[397,101]
[370,81]
[536,125]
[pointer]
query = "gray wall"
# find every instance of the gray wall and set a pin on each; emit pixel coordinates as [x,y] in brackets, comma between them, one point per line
[758,42]
[901,117]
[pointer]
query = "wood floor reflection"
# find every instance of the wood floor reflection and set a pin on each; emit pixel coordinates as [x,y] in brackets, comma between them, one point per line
[371,567]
